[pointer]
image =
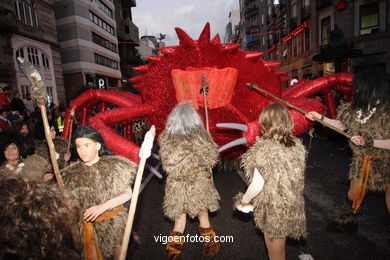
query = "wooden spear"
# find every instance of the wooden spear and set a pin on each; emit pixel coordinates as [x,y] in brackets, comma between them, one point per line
[204,91]
[70,133]
[38,92]
[144,153]
[254,86]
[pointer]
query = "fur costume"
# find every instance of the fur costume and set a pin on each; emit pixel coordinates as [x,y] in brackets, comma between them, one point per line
[60,144]
[188,160]
[96,184]
[34,168]
[280,207]
[377,127]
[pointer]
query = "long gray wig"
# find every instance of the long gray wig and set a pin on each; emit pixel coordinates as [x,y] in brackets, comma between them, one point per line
[183,119]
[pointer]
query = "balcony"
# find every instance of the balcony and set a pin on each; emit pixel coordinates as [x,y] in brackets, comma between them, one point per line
[8,17]
[305,13]
[253,42]
[131,30]
[251,9]
[323,3]
[130,3]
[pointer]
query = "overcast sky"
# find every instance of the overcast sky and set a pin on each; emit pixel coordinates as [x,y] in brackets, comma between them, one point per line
[155,16]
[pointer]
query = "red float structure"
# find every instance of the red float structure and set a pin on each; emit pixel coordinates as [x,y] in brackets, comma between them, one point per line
[229,98]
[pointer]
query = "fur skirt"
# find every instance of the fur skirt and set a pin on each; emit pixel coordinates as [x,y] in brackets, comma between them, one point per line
[190,195]
[279,209]
[188,159]
[376,127]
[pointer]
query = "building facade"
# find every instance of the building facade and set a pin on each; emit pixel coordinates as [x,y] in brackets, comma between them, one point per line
[149,46]
[293,31]
[93,35]
[128,37]
[28,30]
[232,28]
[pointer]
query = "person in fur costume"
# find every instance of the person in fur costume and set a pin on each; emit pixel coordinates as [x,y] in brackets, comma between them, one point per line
[60,144]
[188,154]
[100,184]
[15,158]
[34,219]
[275,167]
[367,120]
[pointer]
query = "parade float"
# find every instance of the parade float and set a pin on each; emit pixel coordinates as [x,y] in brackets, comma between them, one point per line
[214,76]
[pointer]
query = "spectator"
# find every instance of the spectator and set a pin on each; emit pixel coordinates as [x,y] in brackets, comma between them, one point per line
[17,104]
[14,117]
[34,219]
[4,99]
[60,122]
[15,158]
[4,122]
[30,103]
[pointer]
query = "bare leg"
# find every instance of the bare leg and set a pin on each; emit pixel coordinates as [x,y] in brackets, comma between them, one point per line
[276,248]
[352,189]
[117,251]
[204,220]
[388,198]
[180,223]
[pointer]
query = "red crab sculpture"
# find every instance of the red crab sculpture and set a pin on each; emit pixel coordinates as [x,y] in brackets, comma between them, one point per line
[158,95]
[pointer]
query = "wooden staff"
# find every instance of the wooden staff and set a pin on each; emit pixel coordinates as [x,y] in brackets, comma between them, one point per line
[70,133]
[254,86]
[144,153]
[37,91]
[204,92]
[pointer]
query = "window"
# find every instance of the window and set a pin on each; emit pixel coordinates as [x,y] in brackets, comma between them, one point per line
[102,24]
[325,30]
[306,3]
[45,61]
[284,21]
[20,53]
[369,18]
[24,89]
[101,60]
[32,55]
[104,8]
[262,18]
[103,42]
[254,20]
[293,10]
[307,39]
[294,47]
[50,96]
[26,13]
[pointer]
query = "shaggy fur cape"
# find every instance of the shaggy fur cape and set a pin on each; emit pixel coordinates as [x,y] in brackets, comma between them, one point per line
[96,184]
[34,168]
[377,127]
[188,160]
[60,144]
[280,207]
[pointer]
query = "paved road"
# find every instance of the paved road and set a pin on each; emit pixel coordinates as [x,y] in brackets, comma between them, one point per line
[325,189]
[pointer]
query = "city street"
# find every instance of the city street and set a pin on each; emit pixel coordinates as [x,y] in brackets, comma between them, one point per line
[325,189]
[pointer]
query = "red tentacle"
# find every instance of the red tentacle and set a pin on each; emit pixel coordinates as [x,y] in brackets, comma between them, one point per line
[317,86]
[92,97]
[118,144]
[330,103]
